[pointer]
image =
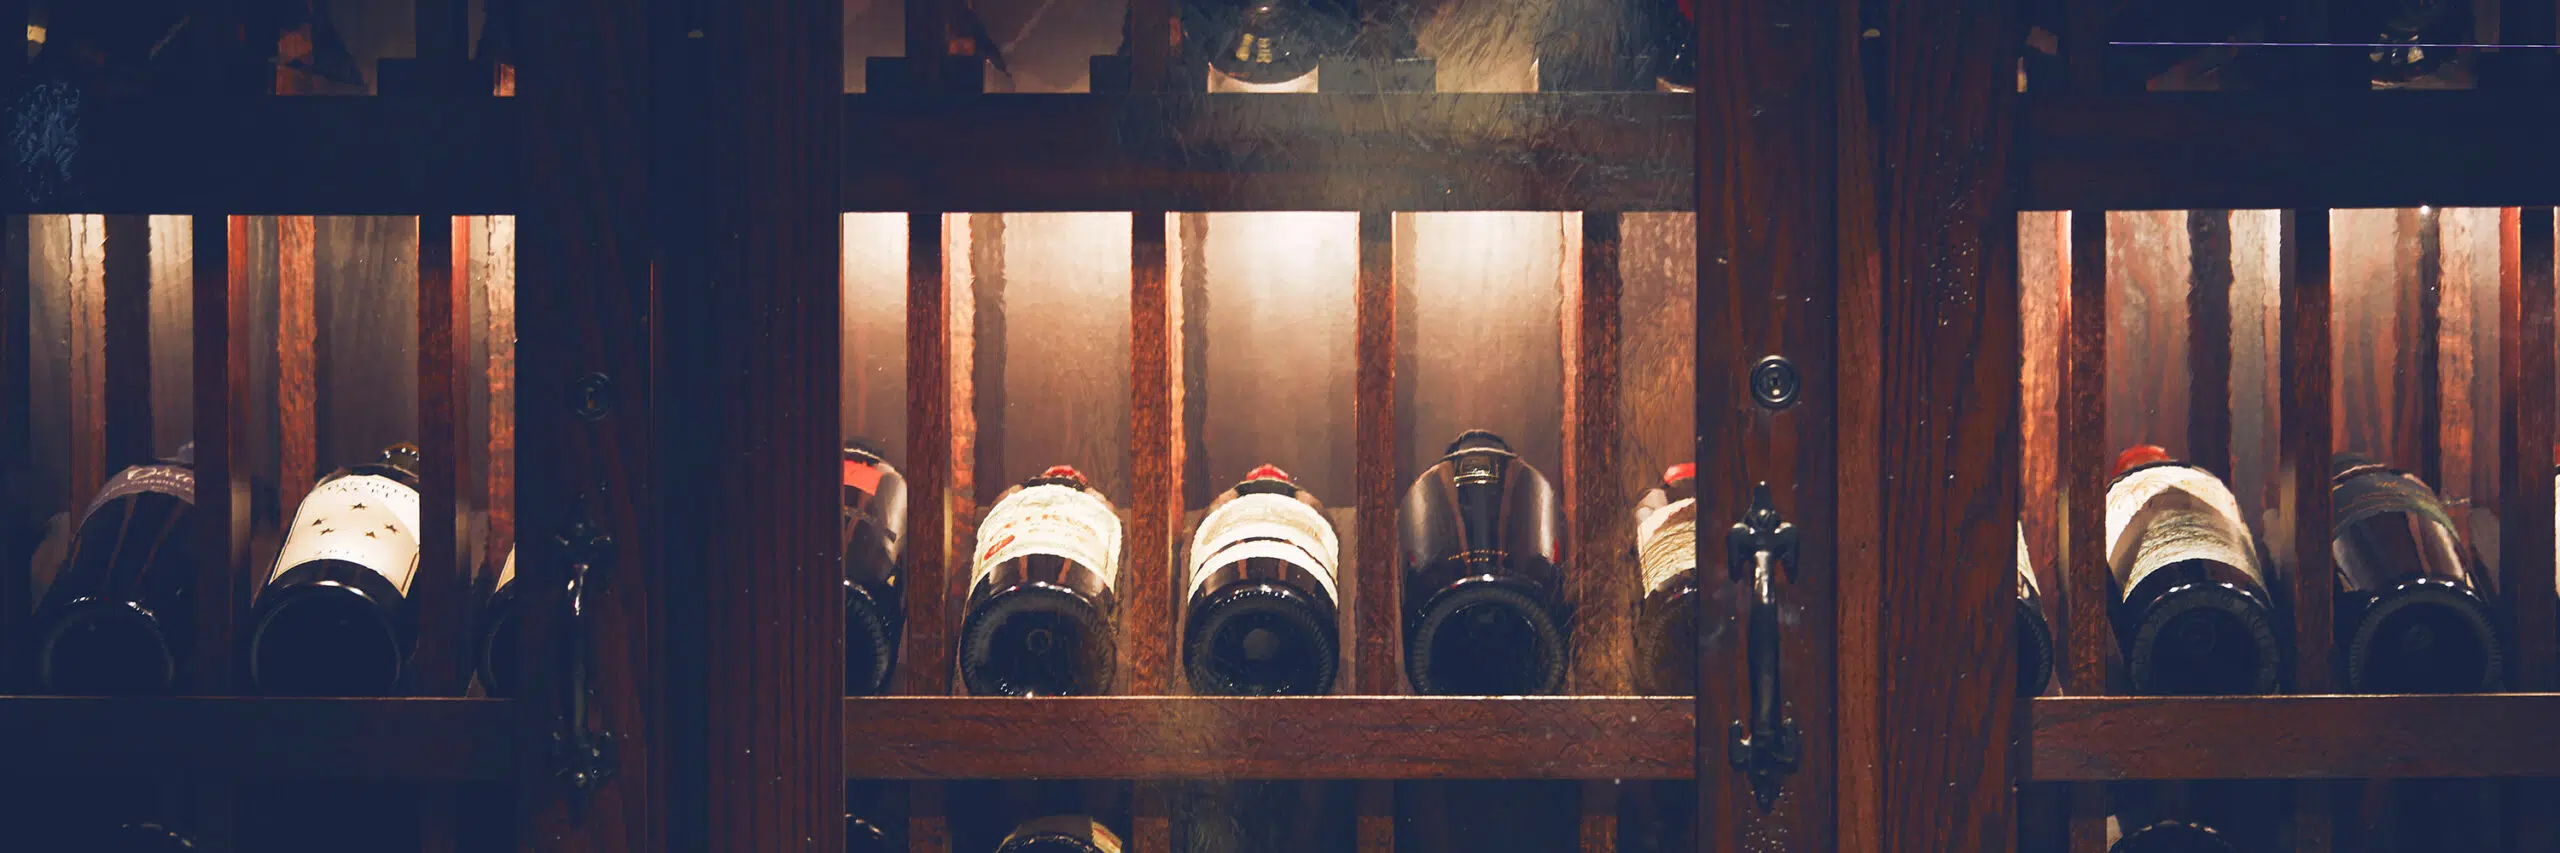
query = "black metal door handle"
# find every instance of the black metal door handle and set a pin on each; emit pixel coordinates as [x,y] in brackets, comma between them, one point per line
[1757,549]
[581,756]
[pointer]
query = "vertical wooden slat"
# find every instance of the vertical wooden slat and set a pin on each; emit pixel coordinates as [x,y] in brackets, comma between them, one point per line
[2426,259]
[2086,631]
[1378,591]
[223,317]
[2209,340]
[444,305]
[498,245]
[926,647]
[2527,378]
[2303,488]
[1602,593]
[297,364]
[1149,633]
[126,355]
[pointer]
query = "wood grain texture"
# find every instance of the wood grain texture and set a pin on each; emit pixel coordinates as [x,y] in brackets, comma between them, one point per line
[497,246]
[2301,539]
[1768,186]
[1600,589]
[222,340]
[2230,150]
[2380,357]
[584,306]
[85,255]
[1149,664]
[927,664]
[2527,376]
[2044,262]
[1272,297]
[274,739]
[1858,546]
[2209,335]
[2288,737]
[1318,737]
[1407,151]
[2089,637]
[445,564]
[125,364]
[1378,591]
[172,344]
[1658,348]
[2147,291]
[746,127]
[366,358]
[297,366]
[1948,347]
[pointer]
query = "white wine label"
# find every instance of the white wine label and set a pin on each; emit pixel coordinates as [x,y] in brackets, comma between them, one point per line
[366,520]
[506,572]
[1667,542]
[1265,525]
[2168,514]
[167,479]
[2026,567]
[1051,519]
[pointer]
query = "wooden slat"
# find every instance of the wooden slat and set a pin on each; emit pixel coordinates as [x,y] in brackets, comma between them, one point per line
[298,334]
[1410,151]
[2291,737]
[1147,590]
[269,739]
[379,155]
[2303,458]
[1313,737]
[2232,150]
[926,648]
[444,564]
[2087,632]
[223,335]
[1377,621]
[1602,593]
[2528,378]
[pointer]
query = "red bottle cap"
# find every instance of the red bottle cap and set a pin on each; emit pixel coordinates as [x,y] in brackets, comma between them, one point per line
[1682,471]
[1066,471]
[1268,471]
[862,475]
[2140,455]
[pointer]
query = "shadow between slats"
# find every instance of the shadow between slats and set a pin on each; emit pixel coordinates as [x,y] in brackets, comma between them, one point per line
[441,740]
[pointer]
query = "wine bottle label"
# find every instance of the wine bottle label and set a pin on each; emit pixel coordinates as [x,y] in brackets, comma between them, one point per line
[1278,527]
[1667,542]
[506,572]
[2169,514]
[1051,519]
[2026,568]
[175,480]
[366,520]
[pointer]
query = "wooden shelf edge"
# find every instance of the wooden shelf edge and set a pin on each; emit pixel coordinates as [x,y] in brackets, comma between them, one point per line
[1315,737]
[259,738]
[2268,150]
[2106,738]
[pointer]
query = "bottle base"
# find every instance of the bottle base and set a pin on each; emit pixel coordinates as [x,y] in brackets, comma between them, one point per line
[2424,636]
[324,640]
[105,648]
[1485,639]
[1037,640]
[1260,640]
[2170,836]
[2204,639]
[870,644]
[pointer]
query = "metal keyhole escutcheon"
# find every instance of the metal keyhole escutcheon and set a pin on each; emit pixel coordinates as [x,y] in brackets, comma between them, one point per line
[1775,382]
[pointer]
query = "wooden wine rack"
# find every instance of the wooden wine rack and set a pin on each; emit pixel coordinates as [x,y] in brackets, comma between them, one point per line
[936,152]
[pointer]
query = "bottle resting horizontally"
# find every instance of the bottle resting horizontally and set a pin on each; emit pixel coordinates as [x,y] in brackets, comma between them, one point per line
[2413,605]
[1262,605]
[1482,591]
[2193,612]
[874,538]
[2035,630]
[119,618]
[1666,558]
[1060,834]
[1041,602]
[499,633]
[335,617]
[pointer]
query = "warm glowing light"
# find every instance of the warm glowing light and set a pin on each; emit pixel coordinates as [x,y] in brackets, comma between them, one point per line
[1220,82]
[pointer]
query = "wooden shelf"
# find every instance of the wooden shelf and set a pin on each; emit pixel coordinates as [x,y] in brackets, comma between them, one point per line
[2263,150]
[1328,737]
[2292,737]
[258,738]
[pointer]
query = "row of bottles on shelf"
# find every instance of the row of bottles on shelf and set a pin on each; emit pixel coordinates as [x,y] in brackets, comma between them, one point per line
[1049,834]
[335,615]
[2194,613]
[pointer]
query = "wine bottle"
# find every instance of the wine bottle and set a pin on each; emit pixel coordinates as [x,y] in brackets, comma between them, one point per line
[1262,607]
[335,619]
[119,617]
[499,630]
[2035,631]
[1041,605]
[2193,612]
[1060,834]
[1666,558]
[2413,608]
[2172,836]
[874,536]
[1481,589]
